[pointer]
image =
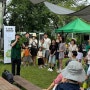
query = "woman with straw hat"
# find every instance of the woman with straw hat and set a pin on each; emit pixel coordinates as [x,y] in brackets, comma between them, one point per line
[72,47]
[34,48]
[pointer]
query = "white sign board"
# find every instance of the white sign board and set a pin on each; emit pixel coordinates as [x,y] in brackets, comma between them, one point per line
[9,34]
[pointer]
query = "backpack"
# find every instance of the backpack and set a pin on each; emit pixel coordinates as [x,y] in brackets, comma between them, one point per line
[8,76]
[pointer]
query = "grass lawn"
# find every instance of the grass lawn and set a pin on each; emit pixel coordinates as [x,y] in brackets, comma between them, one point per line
[39,77]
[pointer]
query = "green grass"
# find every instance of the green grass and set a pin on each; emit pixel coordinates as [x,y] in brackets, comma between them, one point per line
[39,77]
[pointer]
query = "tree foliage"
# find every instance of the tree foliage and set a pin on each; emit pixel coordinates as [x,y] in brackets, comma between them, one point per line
[35,18]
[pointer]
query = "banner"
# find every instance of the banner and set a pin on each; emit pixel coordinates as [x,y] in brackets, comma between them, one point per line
[9,34]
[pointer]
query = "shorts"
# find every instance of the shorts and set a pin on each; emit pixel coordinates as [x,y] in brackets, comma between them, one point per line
[43,53]
[40,61]
[47,54]
[27,59]
[33,51]
[52,59]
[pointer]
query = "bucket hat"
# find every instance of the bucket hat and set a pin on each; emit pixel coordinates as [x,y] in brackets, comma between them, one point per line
[74,71]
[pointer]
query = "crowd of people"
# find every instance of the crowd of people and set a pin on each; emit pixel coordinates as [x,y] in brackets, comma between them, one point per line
[50,53]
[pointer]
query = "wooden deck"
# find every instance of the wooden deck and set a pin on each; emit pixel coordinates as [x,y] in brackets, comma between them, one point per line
[25,84]
[5,85]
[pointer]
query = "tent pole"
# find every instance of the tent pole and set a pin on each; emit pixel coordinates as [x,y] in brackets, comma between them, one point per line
[72,35]
[80,38]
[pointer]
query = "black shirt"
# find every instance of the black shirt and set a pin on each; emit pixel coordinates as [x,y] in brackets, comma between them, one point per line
[52,49]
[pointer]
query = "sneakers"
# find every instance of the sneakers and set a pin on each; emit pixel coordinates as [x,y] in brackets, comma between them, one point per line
[40,67]
[50,69]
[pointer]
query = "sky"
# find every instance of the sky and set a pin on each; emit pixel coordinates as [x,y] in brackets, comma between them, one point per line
[89,1]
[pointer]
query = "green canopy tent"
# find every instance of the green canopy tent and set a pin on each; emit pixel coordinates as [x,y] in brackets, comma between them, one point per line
[76,26]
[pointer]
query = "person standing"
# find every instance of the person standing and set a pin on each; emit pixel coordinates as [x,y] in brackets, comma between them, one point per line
[26,39]
[16,55]
[47,42]
[80,53]
[34,46]
[72,47]
[61,51]
[43,45]
[52,58]
[40,58]
[27,60]
[57,44]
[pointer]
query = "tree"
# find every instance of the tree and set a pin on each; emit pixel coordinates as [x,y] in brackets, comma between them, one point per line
[34,18]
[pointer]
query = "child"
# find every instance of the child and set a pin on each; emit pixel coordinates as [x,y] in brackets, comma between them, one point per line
[79,54]
[40,58]
[27,56]
[52,58]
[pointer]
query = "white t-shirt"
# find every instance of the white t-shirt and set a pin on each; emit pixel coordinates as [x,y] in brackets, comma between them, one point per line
[34,42]
[47,41]
[30,42]
[71,48]
[39,54]
[42,45]
[79,56]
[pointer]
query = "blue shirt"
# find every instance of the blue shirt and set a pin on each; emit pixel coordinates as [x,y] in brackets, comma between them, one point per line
[67,86]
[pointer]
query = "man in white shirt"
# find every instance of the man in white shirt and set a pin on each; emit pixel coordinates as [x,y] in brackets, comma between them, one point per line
[47,41]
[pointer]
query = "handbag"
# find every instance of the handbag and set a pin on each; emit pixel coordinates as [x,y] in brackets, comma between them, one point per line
[8,76]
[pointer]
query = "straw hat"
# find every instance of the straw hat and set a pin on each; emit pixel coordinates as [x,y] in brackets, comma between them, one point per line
[74,39]
[74,71]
